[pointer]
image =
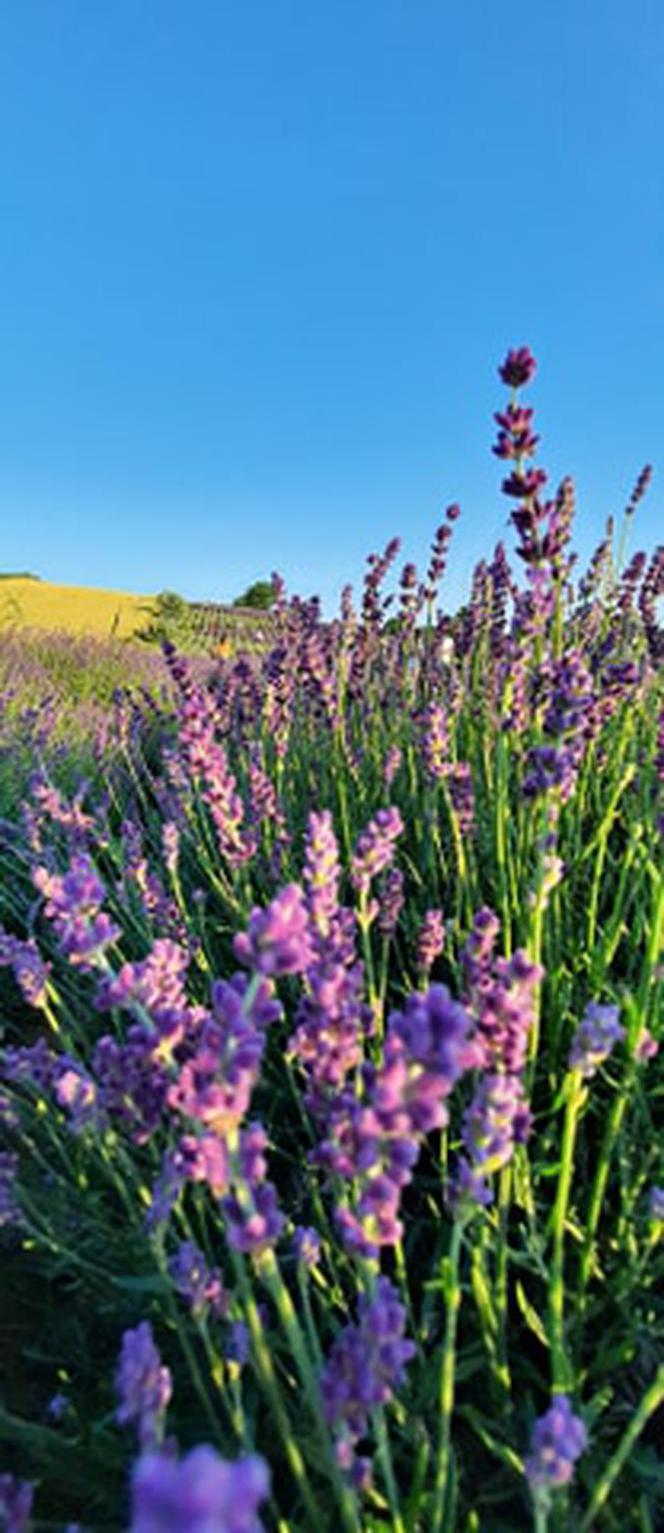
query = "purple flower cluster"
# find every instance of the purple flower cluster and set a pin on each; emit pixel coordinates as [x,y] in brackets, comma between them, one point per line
[10,1212]
[375,1139]
[375,848]
[74,904]
[504,1001]
[331,1018]
[27,965]
[366,1363]
[558,1440]
[206,763]
[200,1493]
[656,1204]
[595,1037]
[200,1285]
[501,995]
[15,1504]
[498,1118]
[430,941]
[144,1386]
[278,940]
[253,1220]
[307,1246]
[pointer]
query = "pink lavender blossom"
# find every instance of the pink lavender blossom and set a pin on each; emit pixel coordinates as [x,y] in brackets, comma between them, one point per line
[558,1440]
[200,1492]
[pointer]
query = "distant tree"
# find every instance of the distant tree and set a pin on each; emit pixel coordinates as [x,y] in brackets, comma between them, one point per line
[171,618]
[260,595]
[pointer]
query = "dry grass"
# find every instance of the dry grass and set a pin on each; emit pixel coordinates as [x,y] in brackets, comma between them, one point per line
[72,609]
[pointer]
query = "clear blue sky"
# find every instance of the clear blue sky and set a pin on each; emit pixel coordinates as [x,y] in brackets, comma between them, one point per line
[259,259]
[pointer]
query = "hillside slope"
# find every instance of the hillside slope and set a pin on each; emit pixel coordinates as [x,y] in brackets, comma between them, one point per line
[75,609]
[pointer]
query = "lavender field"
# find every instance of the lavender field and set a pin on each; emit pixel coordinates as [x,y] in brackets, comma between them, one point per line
[332,1167]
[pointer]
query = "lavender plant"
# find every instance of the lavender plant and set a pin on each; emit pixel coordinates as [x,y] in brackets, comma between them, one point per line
[331,1180]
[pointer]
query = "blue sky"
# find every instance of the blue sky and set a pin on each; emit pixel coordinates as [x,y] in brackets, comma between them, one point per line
[259,260]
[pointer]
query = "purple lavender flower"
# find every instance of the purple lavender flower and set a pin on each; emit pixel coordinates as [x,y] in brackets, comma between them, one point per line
[477,952]
[206,762]
[331,1018]
[656,1204]
[468,1190]
[27,965]
[558,1440]
[375,847]
[73,904]
[170,841]
[237,1346]
[321,871]
[278,940]
[253,1218]
[504,1003]
[200,1285]
[434,727]
[306,1245]
[462,796]
[518,367]
[595,1037]
[391,898]
[497,1119]
[376,1140]
[10,1212]
[77,1093]
[367,1362]
[430,941]
[15,1504]
[144,1386]
[200,1493]
[393,761]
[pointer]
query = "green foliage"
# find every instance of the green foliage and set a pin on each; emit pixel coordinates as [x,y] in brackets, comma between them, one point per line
[260,595]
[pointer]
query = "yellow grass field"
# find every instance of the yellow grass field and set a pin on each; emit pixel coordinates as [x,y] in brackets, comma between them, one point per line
[75,609]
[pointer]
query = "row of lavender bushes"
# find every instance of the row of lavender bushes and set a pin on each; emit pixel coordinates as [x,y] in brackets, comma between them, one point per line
[332,1184]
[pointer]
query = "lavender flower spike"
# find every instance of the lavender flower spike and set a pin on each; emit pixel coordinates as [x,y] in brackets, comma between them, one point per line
[367,1362]
[656,1204]
[10,1212]
[143,1384]
[558,1440]
[15,1504]
[201,1493]
[278,940]
[594,1039]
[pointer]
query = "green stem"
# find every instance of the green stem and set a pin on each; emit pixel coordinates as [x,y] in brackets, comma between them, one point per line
[560,1367]
[447,1377]
[651,1401]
